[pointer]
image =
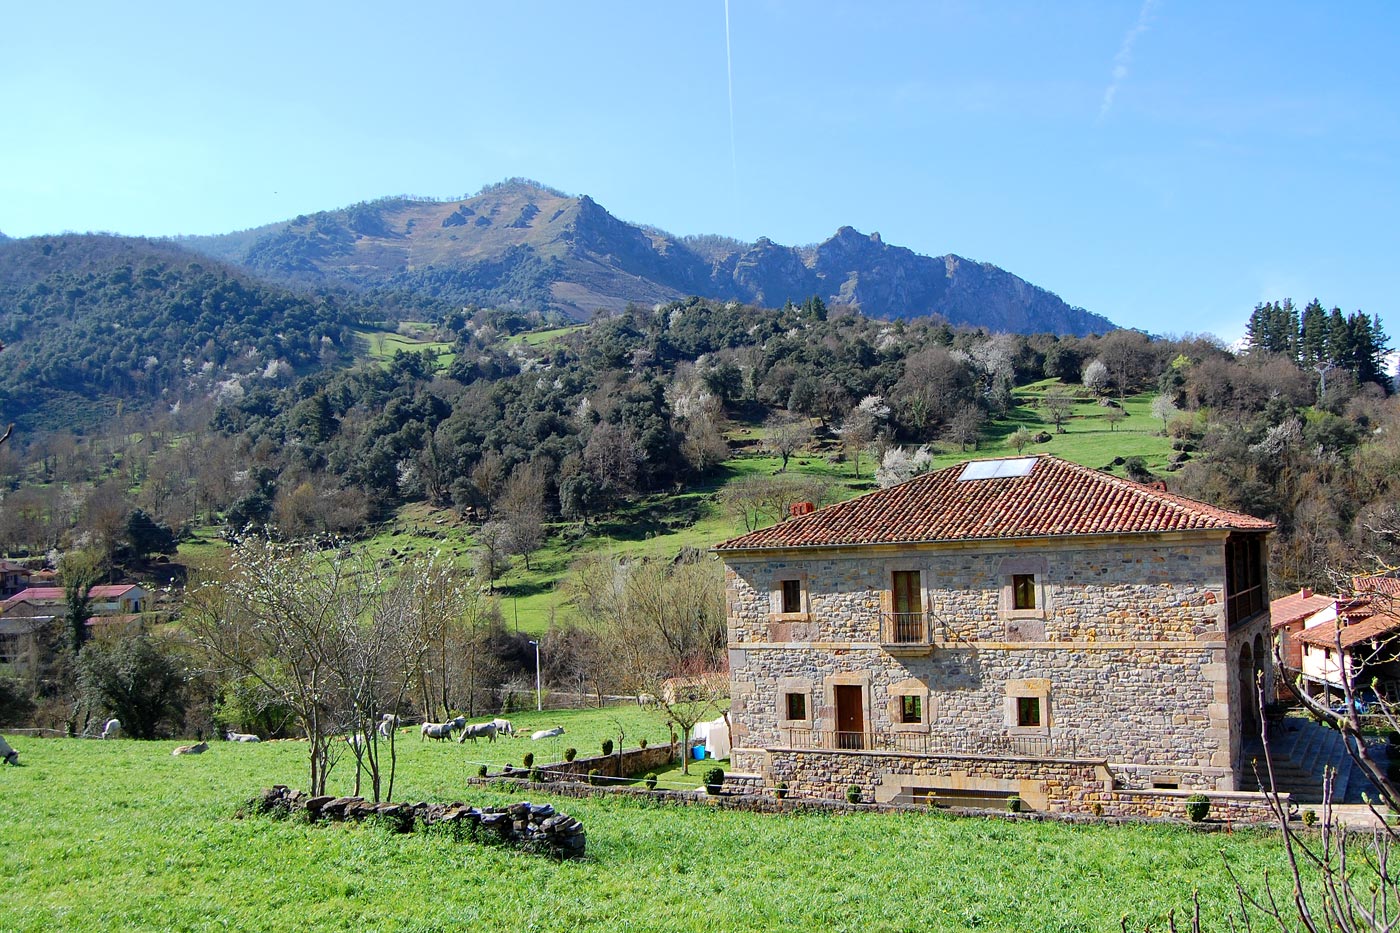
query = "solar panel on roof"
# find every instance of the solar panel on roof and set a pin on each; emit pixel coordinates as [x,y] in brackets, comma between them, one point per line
[997,469]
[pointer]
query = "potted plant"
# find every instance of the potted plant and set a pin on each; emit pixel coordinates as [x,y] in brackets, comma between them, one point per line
[714,780]
[780,790]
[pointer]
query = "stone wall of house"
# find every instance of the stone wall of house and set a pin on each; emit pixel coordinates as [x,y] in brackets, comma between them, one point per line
[1049,786]
[1127,646]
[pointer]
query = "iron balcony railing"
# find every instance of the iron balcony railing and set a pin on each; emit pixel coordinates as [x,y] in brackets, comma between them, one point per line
[923,743]
[910,629]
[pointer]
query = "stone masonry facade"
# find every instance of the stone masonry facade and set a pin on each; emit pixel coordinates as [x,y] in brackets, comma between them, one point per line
[1132,678]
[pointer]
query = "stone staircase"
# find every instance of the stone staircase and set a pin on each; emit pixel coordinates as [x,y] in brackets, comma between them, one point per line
[1302,750]
[736,782]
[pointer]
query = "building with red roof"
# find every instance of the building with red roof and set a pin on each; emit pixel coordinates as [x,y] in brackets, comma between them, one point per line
[1023,626]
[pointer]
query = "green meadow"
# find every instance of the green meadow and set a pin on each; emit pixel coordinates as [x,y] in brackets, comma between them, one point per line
[107,836]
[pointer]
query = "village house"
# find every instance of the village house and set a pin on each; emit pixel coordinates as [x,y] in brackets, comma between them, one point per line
[1023,626]
[23,616]
[1327,641]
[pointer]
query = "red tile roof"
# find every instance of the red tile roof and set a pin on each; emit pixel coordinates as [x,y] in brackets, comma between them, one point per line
[50,594]
[1055,498]
[1380,623]
[1388,586]
[1296,606]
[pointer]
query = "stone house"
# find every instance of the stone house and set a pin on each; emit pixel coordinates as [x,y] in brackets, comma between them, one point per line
[1022,626]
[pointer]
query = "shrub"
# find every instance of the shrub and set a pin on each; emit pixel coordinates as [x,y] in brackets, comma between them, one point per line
[1097,809]
[529,760]
[593,777]
[481,772]
[714,780]
[651,780]
[537,775]
[780,789]
[853,794]
[1013,803]
[1309,816]
[1197,807]
[641,743]
[570,754]
[607,746]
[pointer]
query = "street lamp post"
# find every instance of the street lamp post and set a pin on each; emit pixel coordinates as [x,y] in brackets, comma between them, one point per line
[539,697]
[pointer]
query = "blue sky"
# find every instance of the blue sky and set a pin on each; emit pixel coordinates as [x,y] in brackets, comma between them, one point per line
[1166,164]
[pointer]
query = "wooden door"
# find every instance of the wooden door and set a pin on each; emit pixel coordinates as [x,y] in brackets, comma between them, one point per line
[850,717]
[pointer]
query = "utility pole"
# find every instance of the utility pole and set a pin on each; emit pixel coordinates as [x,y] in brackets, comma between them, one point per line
[539,697]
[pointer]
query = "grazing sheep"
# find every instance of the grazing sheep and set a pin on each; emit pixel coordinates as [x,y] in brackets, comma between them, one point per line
[646,700]
[7,754]
[437,730]
[484,730]
[199,749]
[241,737]
[503,727]
[548,733]
[388,724]
[112,728]
[356,741]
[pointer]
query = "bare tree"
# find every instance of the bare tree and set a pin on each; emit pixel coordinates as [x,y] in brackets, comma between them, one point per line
[288,615]
[658,621]
[1114,416]
[756,499]
[784,435]
[966,426]
[1058,404]
[493,552]
[521,508]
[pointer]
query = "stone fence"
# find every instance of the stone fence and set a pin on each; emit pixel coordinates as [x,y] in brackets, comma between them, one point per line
[623,765]
[528,826]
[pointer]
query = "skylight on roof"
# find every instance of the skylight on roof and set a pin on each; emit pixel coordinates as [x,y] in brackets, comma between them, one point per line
[997,469]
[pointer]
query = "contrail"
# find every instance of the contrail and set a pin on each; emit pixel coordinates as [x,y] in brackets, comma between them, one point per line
[729,61]
[1124,58]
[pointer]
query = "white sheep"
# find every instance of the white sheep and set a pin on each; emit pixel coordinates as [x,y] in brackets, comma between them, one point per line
[199,749]
[547,733]
[503,727]
[438,730]
[484,730]
[7,754]
[241,737]
[388,724]
[112,728]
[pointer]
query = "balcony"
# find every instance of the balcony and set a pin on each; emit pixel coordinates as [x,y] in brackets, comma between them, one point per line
[922,743]
[910,634]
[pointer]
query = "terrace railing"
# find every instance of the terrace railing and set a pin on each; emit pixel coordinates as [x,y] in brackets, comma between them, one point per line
[915,631]
[923,743]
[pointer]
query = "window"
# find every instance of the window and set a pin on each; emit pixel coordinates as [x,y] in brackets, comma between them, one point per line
[1246,583]
[1028,712]
[792,595]
[796,705]
[911,709]
[1023,590]
[906,601]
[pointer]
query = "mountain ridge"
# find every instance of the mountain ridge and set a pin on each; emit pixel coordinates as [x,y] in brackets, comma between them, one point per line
[522,243]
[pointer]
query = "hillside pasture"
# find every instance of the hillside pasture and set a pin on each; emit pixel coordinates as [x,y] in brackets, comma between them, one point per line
[119,836]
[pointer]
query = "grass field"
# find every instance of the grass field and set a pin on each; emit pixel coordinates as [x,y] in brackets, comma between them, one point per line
[106,836]
[381,345]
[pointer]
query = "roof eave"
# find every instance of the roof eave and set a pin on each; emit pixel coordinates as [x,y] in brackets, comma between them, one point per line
[917,542]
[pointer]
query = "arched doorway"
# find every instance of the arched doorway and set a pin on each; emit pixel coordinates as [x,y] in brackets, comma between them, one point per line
[1249,698]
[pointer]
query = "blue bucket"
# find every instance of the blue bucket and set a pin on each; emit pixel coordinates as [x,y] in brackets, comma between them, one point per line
[699,752]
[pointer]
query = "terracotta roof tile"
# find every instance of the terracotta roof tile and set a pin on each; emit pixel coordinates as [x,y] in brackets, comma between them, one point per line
[1055,498]
[1373,626]
[1297,606]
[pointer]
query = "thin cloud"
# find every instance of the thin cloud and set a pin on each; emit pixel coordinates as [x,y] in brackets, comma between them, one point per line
[1124,58]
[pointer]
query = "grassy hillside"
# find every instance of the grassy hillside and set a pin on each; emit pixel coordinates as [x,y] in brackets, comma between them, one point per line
[117,836]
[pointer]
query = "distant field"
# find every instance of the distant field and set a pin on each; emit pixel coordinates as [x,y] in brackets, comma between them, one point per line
[381,345]
[120,836]
[539,338]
